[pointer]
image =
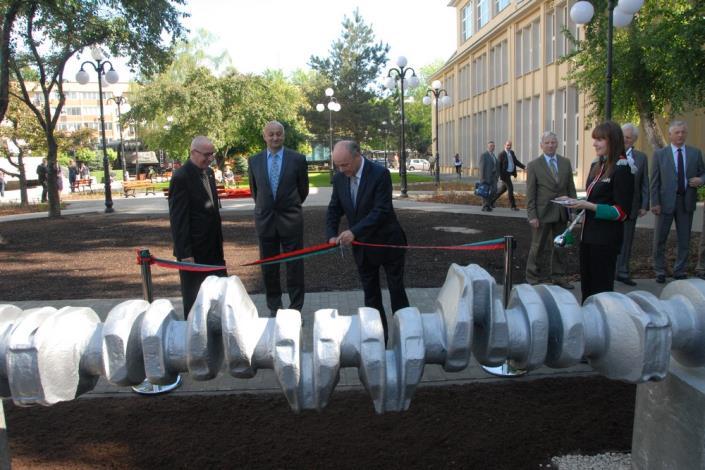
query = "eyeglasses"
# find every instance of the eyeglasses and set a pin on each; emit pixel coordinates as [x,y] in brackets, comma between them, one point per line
[205,154]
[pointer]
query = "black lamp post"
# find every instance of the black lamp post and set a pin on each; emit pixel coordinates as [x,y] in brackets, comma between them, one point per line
[333,106]
[440,96]
[120,100]
[111,76]
[399,74]
[619,14]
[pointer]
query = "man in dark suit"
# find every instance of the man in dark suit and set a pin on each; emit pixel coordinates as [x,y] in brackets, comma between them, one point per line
[547,177]
[362,191]
[508,163]
[279,184]
[640,202]
[195,219]
[43,177]
[678,171]
[489,175]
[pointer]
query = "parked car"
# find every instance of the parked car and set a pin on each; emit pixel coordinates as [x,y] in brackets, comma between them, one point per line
[417,164]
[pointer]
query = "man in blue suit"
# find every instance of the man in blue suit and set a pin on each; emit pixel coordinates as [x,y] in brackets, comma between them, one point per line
[678,170]
[362,191]
[279,185]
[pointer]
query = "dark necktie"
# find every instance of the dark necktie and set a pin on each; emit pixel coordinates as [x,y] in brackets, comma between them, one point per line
[207,186]
[681,172]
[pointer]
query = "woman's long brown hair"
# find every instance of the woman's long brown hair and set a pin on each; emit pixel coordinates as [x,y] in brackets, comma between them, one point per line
[610,131]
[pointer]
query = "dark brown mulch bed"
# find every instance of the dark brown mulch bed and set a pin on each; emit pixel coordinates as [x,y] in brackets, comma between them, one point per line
[93,255]
[517,424]
[509,425]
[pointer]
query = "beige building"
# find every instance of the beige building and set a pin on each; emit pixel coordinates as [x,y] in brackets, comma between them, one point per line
[506,83]
[82,108]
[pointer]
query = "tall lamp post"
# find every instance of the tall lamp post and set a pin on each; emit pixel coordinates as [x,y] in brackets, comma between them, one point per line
[111,76]
[619,14]
[394,75]
[119,100]
[333,106]
[440,96]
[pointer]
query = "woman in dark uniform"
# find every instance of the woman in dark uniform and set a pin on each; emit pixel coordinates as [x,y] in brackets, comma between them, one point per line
[610,186]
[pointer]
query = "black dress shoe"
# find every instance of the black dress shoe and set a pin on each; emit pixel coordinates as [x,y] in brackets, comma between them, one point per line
[701,275]
[515,208]
[680,277]
[626,280]
[660,278]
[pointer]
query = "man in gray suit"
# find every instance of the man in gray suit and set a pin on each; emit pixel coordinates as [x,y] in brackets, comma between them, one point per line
[279,184]
[547,177]
[640,203]
[489,175]
[678,170]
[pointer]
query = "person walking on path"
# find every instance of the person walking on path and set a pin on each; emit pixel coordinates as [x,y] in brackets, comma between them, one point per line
[508,163]
[43,178]
[458,164]
[194,215]
[489,175]
[678,170]
[279,184]
[2,183]
[549,177]
[610,191]
[73,175]
[362,191]
[640,203]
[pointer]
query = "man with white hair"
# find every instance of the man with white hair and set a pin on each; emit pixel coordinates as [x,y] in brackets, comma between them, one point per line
[678,170]
[195,219]
[640,202]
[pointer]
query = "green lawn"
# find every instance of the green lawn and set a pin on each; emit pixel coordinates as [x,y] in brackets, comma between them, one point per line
[323,179]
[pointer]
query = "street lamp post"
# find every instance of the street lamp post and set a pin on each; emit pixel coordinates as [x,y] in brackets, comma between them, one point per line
[619,14]
[399,74]
[440,96]
[386,143]
[119,100]
[111,76]
[333,106]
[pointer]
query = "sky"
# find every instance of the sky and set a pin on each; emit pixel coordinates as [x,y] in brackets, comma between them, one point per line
[283,34]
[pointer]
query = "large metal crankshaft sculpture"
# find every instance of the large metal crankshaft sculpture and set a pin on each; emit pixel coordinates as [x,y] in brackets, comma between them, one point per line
[49,355]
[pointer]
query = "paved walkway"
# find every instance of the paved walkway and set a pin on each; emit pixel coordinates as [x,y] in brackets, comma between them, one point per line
[345,302]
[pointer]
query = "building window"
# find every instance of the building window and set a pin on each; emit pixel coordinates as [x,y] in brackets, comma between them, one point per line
[72,111]
[550,36]
[535,45]
[466,23]
[483,13]
[500,5]
[517,53]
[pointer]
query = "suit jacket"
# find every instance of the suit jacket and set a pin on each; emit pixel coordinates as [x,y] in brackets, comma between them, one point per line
[503,162]
[615,189]
[195,221]
[489,172]
[372,220]
[641,184]
[541,187]
[279,214]
[664,183]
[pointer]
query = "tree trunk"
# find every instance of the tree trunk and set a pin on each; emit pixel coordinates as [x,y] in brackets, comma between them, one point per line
[648,119]
[54,200]
[24,200]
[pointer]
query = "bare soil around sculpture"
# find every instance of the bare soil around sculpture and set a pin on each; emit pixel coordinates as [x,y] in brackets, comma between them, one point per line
[505,424]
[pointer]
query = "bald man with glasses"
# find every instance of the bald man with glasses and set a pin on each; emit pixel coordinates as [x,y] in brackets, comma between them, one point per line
[194,215]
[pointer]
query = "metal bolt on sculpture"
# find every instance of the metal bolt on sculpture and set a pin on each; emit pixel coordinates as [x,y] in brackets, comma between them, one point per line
[48,355]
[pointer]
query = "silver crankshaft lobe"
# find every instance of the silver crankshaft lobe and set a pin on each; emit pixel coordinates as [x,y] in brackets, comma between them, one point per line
[49,355]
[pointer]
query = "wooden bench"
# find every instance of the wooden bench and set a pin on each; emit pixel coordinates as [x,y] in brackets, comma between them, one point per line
[224,193]
[130,187]
[83,184]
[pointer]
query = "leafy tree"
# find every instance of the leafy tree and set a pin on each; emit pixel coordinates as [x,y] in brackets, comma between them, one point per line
[44,35]
[354,63]
[653,58]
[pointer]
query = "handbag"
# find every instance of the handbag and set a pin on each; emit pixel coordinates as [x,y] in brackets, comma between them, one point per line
[482,190]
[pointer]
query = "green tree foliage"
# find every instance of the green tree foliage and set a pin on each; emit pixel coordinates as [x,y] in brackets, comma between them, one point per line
[354,63]
[189,100]
[657,63]
[44,35]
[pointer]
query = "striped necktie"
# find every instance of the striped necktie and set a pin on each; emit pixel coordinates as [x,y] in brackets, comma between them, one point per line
[353,189]
[274,170]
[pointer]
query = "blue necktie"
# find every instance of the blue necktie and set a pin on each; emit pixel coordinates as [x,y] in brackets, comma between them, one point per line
[274,173]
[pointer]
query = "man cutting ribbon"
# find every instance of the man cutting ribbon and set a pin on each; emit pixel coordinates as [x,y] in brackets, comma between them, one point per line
[362,191]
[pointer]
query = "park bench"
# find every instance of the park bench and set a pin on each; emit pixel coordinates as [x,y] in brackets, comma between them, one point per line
[83,184]
[224,193]
[130,187]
